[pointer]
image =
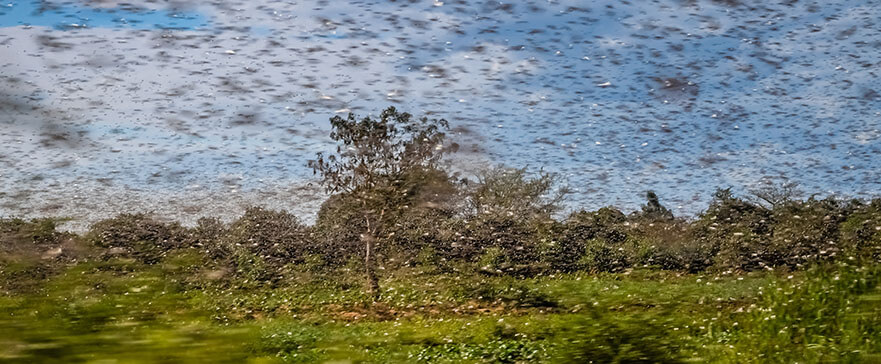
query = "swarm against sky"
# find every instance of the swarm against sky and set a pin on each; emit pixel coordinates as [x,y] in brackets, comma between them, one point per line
[202,108]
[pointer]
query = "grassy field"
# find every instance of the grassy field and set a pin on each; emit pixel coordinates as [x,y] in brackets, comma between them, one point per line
[183,310]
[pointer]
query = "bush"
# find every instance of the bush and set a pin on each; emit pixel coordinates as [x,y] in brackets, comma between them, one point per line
[584,236]
[263,241]
[669,244]
[512,193]
[805,232]
[426,218]
[512,244]
[603,256]
[860,233]
[418,216]
[31,251]
[688,255]
[653,210]
[137,236]
[338,229]
[735,232]
[510,211]
[207,233]
[35,239]
[607,223]
[419,232]
[36,231]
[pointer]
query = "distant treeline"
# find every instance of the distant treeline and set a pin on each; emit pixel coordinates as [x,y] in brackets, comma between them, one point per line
[502,224]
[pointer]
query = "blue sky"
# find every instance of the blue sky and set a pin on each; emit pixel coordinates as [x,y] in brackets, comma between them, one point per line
[67,15]
[618,97]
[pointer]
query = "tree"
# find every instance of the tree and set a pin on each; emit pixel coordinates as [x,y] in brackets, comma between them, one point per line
[371,163]
[509,219]
[775,195]
[653,209]
[512,192]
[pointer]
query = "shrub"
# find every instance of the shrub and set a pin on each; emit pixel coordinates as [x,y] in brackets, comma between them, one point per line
[653,210]
[513,193]
[207,233]
[263,241]
[36,239]
[607,223]
[688,255]
[584,237]
[419,232]
[805,232]
[36,231]
[338,228]
[860,233]
[735,232]
[137,236]
[31,251]
[420,216]
[425,218]
[553,253]
[776,195]
[510,210]
[604,256]
[509,241]
[669,244]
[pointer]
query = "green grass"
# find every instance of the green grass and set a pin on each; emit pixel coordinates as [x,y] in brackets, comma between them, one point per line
[178,311]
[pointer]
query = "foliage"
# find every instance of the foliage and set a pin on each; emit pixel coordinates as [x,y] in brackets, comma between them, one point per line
[805,232]
[137,236]
[653,210]
[207,235]
[423,219]
[604,256]
[374,164]
[776,195]
[511,242]
[860,232]
[40,232]
[373,152]
[437,222]
[510,292]
[511,193]
[510,212]
[274,235]
[583,236]
[735,232]
[150,313]
[338,227]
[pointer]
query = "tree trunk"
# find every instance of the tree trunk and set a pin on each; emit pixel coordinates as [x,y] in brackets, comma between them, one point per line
[369,238]
[369,267]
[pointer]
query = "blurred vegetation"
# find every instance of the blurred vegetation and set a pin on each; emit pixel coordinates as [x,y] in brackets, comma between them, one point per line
[596,287]
[466,271]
